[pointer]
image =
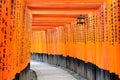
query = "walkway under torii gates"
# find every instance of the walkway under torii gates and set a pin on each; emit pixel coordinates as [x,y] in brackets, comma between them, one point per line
[80,35]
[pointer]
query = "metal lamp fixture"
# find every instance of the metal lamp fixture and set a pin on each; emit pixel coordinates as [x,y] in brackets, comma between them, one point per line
[81,19]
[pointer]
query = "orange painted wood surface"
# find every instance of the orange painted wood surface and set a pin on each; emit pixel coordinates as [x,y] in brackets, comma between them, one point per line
[97,41]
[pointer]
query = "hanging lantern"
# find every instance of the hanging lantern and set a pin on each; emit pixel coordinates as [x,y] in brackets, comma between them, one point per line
[81,19]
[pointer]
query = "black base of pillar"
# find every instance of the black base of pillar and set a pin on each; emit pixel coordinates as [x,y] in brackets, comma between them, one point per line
[86,70]
[23,75]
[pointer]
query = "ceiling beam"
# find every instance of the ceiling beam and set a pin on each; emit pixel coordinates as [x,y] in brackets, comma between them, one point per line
[53,19]
[42,28]
[48,24]
[55,16]
[60,9]
[61,12]
[64,1]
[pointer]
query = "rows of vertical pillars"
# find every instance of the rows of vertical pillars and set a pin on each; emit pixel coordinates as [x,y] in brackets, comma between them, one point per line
[86,70]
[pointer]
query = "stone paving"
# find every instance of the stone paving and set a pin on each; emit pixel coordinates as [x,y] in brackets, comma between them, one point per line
[45,71]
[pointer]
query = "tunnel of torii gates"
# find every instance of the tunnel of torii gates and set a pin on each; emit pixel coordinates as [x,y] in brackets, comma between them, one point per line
[84,31]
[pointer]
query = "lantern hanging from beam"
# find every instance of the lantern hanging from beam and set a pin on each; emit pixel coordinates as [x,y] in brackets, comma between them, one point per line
[81,19]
